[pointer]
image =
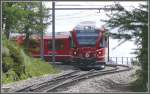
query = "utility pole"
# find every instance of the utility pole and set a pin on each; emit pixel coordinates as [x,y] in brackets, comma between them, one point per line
[108,46]
[41,30]
[53,32]
[3,25]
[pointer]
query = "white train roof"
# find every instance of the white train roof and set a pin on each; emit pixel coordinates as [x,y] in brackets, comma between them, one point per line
[86,25]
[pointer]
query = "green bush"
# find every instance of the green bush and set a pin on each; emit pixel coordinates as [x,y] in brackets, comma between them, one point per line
[14,60]
[137,85]
[5,51]
[7,63]
[9,76]
[17,65]
[39,67]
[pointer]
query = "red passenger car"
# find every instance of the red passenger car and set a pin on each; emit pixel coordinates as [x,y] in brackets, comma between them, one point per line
[62,47]
[90,49]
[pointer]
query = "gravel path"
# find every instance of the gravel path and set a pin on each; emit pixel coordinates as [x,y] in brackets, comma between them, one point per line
[118,82]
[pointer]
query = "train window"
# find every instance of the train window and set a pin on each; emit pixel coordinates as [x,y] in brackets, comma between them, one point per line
[50,44]
[102,43]
[59,45]
[84,40]
[72,44]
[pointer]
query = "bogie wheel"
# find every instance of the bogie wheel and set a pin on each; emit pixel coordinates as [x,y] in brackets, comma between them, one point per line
[99,67]
[84,68]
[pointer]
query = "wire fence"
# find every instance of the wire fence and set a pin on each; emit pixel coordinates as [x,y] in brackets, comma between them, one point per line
[123,60]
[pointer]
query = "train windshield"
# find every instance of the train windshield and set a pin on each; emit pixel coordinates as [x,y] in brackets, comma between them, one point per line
[87,38]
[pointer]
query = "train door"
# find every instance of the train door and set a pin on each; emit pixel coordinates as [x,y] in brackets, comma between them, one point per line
[73,47]
[104,46]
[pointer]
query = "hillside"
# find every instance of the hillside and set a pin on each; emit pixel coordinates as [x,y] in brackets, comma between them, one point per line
[17,65]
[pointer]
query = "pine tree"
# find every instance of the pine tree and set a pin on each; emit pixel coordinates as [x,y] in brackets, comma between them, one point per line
[24,17]
[133,25]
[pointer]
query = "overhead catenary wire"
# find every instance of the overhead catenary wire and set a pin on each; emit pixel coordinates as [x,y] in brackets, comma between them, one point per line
[71,14]
[85,9]
[78,15]
[85,16]
[75,17]
[85,5]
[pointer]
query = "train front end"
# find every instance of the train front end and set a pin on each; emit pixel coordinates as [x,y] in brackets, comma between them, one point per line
[90,47]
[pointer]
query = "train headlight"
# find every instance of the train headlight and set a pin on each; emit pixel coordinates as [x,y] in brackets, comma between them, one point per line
[75,53]
[99,52]
[87,55]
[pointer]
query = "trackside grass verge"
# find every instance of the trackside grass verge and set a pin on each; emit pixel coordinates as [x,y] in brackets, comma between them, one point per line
[17,65]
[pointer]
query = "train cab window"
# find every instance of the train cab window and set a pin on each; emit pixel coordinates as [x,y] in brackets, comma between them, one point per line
[72,45]
[59,45]
[106,40]
[102,43]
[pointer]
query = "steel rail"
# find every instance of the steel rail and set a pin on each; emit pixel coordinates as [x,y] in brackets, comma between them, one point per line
[58,80]
[82,77]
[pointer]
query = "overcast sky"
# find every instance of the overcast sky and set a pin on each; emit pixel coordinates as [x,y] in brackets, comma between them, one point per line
[66,20]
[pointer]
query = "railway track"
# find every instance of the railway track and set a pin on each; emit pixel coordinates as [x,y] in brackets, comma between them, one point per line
[75,76]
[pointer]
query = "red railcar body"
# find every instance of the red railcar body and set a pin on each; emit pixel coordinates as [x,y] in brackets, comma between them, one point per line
[90,48]
[62,47]
[86,46]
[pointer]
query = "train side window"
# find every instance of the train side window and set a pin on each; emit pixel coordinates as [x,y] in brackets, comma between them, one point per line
[59,45]
[49,44]
[72,45]
[106,40]
[102,43]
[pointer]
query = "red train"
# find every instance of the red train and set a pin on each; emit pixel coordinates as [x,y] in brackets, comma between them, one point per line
[86,46]
[90,49]
[62,48]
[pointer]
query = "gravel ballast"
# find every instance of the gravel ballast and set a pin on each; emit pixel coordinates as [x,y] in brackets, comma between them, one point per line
[118,82]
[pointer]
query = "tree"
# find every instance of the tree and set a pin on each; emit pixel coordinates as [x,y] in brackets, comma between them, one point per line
[24,17]
[133,25]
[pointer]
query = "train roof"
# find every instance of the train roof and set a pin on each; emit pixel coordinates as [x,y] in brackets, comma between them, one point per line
[88,25]
[57,37]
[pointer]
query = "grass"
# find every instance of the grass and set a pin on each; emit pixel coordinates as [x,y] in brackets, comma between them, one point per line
[38,67]
[17,65]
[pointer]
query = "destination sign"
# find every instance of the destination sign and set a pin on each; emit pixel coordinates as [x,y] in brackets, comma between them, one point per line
[85,26]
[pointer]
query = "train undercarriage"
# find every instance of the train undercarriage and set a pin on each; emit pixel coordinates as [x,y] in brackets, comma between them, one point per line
[88,63]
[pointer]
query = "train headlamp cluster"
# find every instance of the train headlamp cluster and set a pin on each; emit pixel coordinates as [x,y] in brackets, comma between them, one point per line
[99,52]
[87,55]
[75,53]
